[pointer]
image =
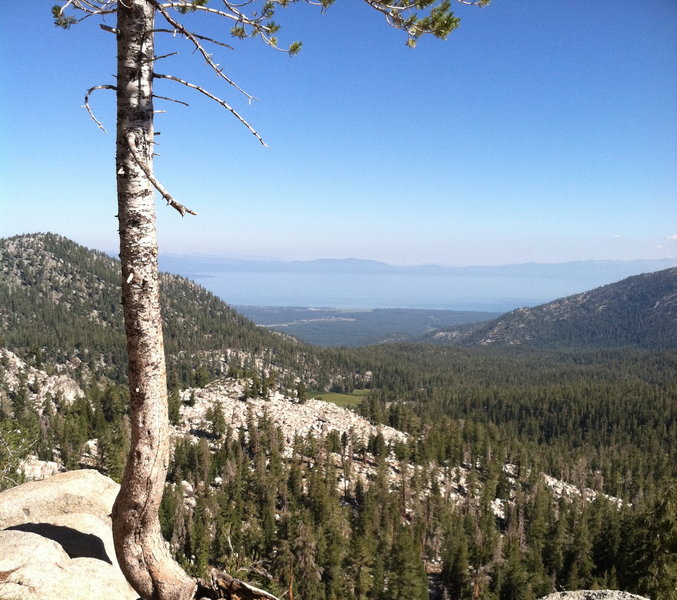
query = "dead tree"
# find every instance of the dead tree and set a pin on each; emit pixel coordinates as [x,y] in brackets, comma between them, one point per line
[141,551]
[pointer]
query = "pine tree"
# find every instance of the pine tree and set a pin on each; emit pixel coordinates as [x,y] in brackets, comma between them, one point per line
[406,577]
[455,567]
[174,406]
[514,576]
[555,544]
[308,573]
[606,540]
[580,565]
[654,554]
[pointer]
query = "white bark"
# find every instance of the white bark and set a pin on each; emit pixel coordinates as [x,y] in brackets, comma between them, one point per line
[141,551]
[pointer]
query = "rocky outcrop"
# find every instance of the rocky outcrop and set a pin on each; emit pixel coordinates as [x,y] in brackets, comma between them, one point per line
[59,389]
[561,489]
[314,416]
[34,469]
[594,595]
[56,540]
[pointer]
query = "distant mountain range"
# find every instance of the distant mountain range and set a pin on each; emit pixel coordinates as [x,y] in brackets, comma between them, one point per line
[614,269]
[354,283]
[60,301]
[637,311]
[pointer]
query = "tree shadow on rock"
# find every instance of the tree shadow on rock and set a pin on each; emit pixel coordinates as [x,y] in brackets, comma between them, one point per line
[75,543]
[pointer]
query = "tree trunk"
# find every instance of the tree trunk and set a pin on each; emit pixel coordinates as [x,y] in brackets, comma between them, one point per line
[140,548]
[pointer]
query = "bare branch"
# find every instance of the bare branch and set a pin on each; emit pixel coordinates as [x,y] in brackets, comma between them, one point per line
[89,110]
[223,582]
[198,46]
[171,100]
[156,184]
[214,11]
[89,8]
[215,99]
[165,55]
[147,60]
[197,35]
[65,6]
[108,7]
[108,28]
[240,5]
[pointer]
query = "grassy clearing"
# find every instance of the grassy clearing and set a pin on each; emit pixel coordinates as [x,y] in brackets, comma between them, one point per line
[343,400]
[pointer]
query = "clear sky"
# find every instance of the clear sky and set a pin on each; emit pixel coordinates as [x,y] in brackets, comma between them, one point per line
[541,130]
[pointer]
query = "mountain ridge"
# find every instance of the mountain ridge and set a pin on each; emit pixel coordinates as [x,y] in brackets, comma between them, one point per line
[637,311]
[362,264]
[74,293]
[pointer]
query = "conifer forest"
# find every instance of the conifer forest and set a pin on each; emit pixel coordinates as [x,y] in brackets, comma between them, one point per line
[494,473]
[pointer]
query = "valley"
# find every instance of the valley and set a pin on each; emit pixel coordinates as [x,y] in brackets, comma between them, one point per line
[484,471]
[351,327]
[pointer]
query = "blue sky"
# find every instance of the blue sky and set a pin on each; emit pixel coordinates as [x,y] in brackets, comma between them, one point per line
[539,131]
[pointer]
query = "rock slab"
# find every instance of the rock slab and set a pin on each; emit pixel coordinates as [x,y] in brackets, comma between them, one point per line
[56,541]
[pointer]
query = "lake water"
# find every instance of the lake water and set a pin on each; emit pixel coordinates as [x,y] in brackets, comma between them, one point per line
[365,284]
[341,290]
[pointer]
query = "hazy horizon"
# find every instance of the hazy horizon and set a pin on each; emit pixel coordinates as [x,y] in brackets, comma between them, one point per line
[367,284]
[253,258]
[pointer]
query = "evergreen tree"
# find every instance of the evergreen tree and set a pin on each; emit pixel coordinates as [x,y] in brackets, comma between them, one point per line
[406,577]
[174,406]
[653,557]
[580,565]
[308,573]
[455,564]
[606,541]
[514,579]
[555,545]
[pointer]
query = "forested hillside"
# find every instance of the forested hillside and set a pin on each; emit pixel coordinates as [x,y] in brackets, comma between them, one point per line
[640,311]
[60,304]
[513,472]
[610,416]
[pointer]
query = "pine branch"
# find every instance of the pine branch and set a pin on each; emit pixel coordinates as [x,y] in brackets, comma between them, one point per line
[108,28]
[171,99]
[160,57]
[199,47]
[263,31]
[87,7]
[194,7]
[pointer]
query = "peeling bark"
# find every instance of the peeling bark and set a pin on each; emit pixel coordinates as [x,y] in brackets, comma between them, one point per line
[141,551]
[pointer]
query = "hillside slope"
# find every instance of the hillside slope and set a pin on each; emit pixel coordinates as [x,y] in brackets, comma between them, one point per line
[60,305]
[639,311]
